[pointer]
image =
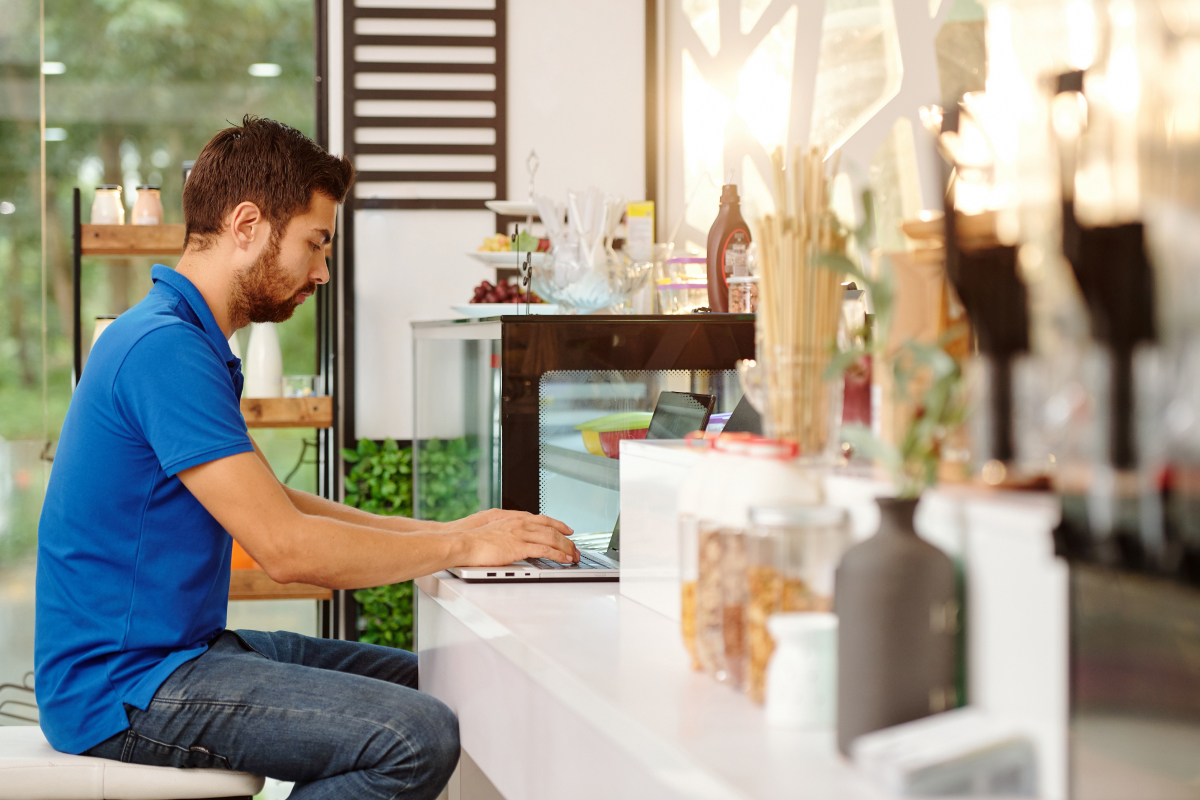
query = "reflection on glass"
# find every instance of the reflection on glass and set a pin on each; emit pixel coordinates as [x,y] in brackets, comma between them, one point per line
[895,187]
[752,11]
[706,21]
[706,114]
[765,84]
[579,485]
[859,68]
[757,200]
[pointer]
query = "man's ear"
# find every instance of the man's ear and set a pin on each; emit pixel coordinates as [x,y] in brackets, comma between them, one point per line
[247,225]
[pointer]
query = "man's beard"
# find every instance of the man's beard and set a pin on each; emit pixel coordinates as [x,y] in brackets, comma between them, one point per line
[261,293]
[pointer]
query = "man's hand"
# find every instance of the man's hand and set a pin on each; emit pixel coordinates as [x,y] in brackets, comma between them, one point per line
[508,536]
[481,518]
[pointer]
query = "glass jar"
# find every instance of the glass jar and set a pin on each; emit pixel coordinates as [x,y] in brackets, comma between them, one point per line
[743,294]
[683,285]
[734,596]
[107,208]
[710,607]
[690,496]
[812,540]
[764,597]
[793,555]
[148,208]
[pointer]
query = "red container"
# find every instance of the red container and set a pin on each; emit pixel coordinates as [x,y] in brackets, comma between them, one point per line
[610,441]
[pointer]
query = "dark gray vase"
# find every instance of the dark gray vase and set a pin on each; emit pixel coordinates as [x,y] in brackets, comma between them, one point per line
[897,614]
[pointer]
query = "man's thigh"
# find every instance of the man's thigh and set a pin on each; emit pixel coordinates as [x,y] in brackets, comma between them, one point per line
[235,708]
[356,658]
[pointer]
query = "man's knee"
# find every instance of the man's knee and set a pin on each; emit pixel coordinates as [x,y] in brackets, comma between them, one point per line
[426,754]
[441,743]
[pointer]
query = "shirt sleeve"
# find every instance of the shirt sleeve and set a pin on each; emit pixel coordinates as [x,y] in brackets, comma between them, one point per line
[173,390]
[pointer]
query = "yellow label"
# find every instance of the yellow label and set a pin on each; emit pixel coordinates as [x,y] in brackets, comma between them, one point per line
[643,209]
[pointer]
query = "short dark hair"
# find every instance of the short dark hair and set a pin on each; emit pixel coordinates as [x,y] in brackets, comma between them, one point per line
[265,162]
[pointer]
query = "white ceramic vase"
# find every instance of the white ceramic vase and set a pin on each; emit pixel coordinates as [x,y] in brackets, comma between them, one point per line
[264,362]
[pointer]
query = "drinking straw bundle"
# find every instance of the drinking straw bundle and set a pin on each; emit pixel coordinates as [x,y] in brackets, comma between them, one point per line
[799,300]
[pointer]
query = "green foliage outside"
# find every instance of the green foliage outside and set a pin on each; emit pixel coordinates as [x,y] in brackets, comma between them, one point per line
[143,87]
[380,481]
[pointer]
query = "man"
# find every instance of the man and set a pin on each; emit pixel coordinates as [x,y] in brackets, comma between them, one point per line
[154,473]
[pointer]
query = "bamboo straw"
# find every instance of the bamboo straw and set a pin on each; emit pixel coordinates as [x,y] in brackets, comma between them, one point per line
[799,299]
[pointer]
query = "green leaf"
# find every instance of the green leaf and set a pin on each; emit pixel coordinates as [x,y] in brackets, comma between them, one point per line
[367,447]
[865,442]
[350,456]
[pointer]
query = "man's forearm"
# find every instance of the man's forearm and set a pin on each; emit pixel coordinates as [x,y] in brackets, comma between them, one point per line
[329,552]
[320,507]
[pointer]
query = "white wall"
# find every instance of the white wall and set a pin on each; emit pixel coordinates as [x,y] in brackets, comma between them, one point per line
[409,265]
[576,94]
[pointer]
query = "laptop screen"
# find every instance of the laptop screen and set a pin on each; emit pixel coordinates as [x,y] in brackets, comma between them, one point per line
[678,413]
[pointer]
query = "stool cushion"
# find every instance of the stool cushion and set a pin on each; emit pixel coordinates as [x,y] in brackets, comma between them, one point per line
[30,769]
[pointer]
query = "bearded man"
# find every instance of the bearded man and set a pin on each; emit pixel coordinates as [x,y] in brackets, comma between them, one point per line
[155,477]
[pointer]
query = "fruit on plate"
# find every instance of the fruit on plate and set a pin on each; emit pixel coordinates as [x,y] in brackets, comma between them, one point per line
[503,292]
[602,436]
[526,243]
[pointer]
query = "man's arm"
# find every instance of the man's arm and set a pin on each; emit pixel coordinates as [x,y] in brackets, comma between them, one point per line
[242,493]
[318,506]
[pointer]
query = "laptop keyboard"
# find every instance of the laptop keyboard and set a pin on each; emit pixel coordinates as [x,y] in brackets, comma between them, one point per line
[585,562]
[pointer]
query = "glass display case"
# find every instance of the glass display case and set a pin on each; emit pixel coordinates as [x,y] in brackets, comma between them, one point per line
[527,412]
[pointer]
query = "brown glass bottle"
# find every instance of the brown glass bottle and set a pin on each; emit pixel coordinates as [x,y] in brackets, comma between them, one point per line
[728,245]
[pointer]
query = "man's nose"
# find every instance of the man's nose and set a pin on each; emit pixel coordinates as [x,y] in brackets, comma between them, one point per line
[321,273]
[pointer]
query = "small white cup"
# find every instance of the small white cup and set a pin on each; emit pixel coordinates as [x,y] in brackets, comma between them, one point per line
[802,675]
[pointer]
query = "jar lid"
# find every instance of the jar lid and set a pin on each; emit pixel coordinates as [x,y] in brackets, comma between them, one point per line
[143,186]
[798,516]
[734,442]
[108,187]
[772,448]
[743,279]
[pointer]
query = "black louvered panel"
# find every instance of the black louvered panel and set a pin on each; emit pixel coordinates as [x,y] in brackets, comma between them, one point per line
[425,125]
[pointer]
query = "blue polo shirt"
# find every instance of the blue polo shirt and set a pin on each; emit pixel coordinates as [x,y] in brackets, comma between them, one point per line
[132,572]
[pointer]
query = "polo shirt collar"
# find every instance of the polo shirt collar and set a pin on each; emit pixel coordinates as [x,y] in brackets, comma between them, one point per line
[192,295]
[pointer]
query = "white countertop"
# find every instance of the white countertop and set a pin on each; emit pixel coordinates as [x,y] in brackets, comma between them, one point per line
[571,690]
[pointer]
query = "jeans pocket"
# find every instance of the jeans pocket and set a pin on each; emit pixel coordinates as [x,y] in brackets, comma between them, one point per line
[112,748]
[245,644]
[153,753]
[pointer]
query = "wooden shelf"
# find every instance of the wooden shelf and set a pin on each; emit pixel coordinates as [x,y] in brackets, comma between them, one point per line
[137,240]
[288,412]
[131,240]
[254,584]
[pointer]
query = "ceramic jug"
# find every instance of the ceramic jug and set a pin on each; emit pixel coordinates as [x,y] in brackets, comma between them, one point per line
[896,600]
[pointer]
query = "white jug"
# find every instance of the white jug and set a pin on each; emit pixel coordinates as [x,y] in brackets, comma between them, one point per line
[264,362]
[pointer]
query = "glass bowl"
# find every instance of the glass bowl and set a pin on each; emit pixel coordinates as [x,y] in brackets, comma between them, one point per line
[580,287]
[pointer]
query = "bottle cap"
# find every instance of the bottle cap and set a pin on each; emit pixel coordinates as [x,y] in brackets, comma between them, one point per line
[729,193]
[144,186]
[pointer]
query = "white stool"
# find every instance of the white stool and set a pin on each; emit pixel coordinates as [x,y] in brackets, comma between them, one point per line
[30,769]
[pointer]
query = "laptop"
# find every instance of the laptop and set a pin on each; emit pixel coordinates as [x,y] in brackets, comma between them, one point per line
[676,414]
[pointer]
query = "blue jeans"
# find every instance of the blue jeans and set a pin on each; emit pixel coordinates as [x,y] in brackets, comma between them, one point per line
[340,719]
